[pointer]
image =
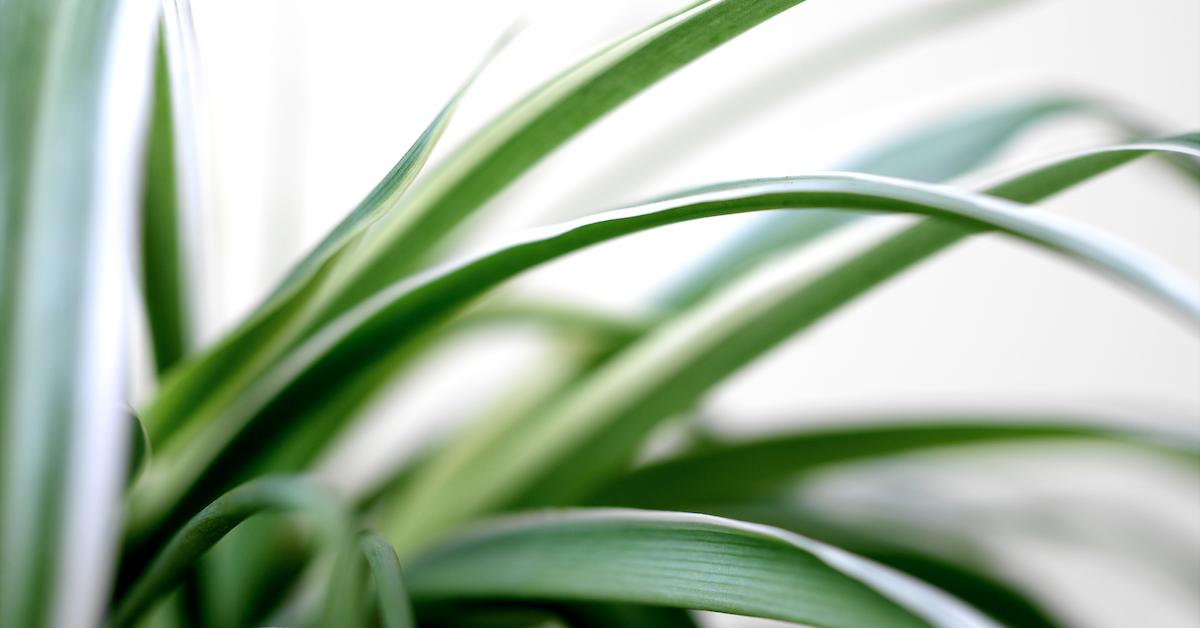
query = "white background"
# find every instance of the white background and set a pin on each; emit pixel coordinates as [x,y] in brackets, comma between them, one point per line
[308,103]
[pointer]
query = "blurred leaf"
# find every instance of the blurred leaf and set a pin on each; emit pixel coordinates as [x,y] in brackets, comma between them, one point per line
[679,560]
[211,379]
[321,423]
[71,73]
[201,532]
[392,596]
[938,152]
[476,171]
[199,467]
[139,449]
[956,570]
[726,334]
[247,575]
[532,128]
[592,615]
[170,193]
[588,434]
[743,469]
[999,600]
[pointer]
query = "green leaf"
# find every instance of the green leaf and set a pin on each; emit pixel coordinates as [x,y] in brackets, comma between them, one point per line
[678,560]
[392,596]
[476,171]
[201,532]
[201,465]
[939,150]
[998,599]
[737,470]
[213,378]
[954,568]
[535,126]
[320,423]
[170,193]
[591,431]
[674,367]
[139,449]
[71,73]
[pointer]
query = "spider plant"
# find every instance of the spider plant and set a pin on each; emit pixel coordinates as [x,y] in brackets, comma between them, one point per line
[196,508]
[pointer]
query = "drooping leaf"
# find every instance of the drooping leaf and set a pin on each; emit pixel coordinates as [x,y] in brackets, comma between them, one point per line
[481,167]
[71,74]
[201,468]
[559,454]
[674,367]
[535,126]
[678,560]
[960,571]
[942,149]
[1007,118]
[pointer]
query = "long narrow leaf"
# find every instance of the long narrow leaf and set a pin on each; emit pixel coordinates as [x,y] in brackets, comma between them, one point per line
[275,322]
[484,165]
[598,425]
[680,560]
[535,126]
[370,332]
[164,283]
[171,192]
[960,571]
[72,74]
[938,151]
[744,469]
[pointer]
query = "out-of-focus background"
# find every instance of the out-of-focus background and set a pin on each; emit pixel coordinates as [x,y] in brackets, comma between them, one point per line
[308,103]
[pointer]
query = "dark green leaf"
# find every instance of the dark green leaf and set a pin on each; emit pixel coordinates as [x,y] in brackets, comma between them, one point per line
[678,560]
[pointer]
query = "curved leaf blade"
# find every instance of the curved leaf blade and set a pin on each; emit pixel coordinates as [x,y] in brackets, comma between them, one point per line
[679,560]
[391,593]
[535,126]
[369,333]
[959,571]
[591,430]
